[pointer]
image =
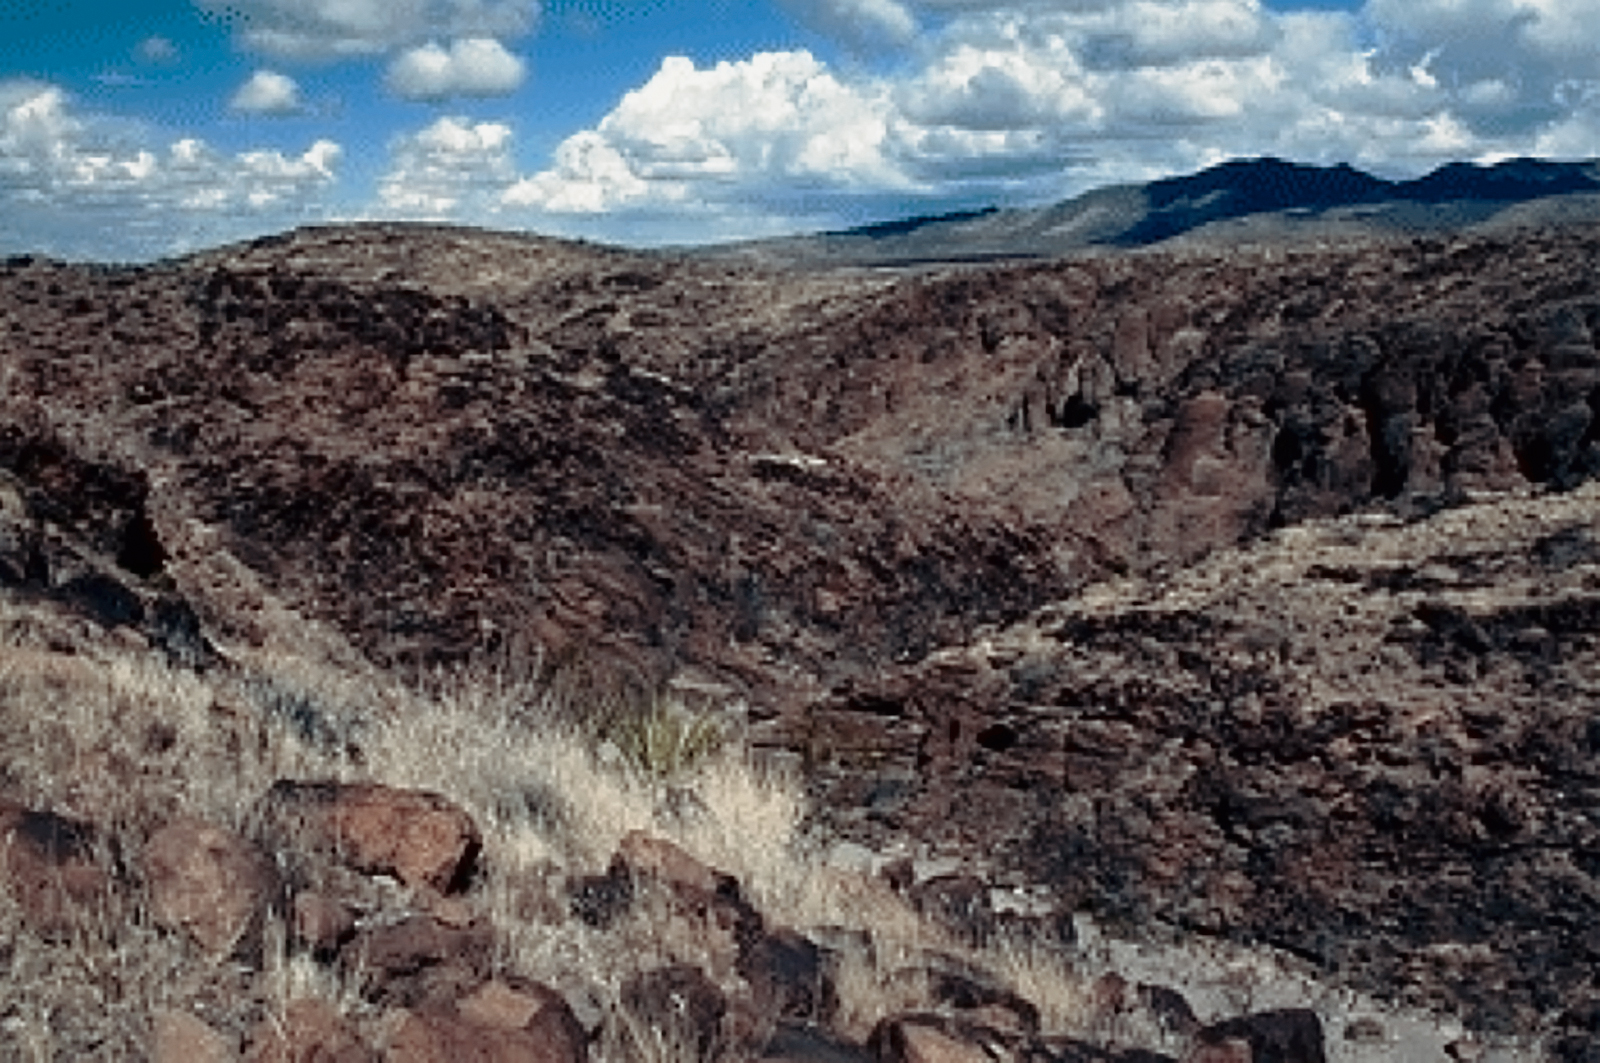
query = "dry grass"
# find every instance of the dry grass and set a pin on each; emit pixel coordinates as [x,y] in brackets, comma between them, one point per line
[111,734]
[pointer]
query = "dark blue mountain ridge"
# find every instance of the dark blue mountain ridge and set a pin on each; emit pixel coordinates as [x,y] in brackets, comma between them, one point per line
[1241,187]
[1262,198]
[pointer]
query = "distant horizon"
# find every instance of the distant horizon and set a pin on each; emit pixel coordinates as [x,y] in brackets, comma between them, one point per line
[908,222]
[147,128]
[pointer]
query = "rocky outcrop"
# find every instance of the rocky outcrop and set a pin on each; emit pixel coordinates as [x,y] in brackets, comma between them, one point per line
[440,442]
[1364,740]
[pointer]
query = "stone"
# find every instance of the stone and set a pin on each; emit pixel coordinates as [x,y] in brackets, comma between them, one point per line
[644,856]
[959,903]
[420,838]
[698,890]
[207,882]
[1169,1008]
[322,922]
[789,978]
[308,1031]
[921,1038]
[599,900]
[1465,1050]
[535,1009]
[179,1037]
[1366,1031]
[438,1037]
[418,960]
[50,867]
[1227,1050]
[1290,1035]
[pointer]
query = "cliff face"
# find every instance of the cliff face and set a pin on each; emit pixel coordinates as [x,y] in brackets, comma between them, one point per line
[429,443]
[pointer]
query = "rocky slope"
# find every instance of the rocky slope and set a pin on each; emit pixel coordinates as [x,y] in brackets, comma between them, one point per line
[1371,742]
[402,445]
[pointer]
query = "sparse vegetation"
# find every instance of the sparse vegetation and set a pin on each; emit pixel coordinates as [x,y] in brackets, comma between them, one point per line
[115,736]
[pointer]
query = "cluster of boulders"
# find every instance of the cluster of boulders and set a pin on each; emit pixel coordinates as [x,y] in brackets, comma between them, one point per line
[422,956]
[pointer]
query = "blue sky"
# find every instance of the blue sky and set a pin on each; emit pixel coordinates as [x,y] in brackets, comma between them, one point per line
[143,128]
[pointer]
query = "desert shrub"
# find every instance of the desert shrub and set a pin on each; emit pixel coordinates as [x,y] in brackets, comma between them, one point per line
[666,741]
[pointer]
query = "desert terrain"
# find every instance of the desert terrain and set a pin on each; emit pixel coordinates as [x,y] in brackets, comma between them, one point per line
[418,640]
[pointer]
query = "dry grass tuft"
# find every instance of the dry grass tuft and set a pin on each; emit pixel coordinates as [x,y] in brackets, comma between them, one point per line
[556,764]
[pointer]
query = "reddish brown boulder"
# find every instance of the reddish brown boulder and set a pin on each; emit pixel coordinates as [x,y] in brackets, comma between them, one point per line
[700,891]
[499,1022]
[421,838]
[207,882]
[179,1037]
[931,1039]
[436,1037]
[418,960]
[645,856]
[49,866]
[309,1031]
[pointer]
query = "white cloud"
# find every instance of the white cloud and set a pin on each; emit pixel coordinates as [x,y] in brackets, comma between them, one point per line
[74,184]
[1158,32]
[1000,84]
[449,169]
[1028,101]
[862,25]
[325,29]
[473,66]
[267,92]
[769,125]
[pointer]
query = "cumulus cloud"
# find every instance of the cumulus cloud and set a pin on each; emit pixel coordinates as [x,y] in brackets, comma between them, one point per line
[448,169]
[267,92]
[473,66]
[776,122]
[326,29]
[861,25]
[1021,101]
[72,184]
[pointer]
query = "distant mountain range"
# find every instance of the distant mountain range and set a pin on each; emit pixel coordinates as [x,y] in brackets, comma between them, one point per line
[1240,201]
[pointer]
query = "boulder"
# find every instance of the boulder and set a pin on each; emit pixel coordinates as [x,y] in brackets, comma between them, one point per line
[421,838]
[789,978]
[643,856]
[308,1031]
[438,1037]
[179,1037]
[696,889]
[49,866]
[207,882]
[418,960]
[499,1022]
[919,1038]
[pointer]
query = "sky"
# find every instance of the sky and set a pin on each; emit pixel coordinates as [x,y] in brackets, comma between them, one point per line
[138,129]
